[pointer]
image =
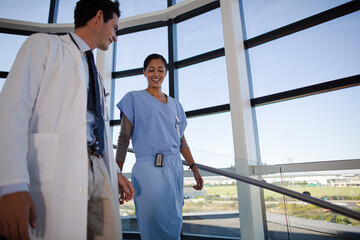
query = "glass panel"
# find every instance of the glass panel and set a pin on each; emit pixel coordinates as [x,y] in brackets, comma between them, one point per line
[130,8]
[9,47]
[24,10]
[2,81]
[288,216]
[200,34]
[127,84]
[204,84]
[66,11]
[132,49]
[210,140]
[316,128]
[322,53]
[213,211]
[262,16]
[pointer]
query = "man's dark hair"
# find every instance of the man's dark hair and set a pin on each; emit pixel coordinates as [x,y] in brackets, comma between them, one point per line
[154,56]
[87,9]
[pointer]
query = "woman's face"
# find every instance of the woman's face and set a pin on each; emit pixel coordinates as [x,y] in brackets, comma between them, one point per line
[155,73]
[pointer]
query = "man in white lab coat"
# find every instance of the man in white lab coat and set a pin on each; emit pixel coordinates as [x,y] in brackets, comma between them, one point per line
[51,178]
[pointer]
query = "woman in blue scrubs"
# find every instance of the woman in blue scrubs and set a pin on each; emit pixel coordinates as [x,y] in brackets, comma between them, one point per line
[156,123]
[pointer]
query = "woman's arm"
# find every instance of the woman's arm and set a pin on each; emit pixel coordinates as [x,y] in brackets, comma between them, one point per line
[185,151]
[123,141]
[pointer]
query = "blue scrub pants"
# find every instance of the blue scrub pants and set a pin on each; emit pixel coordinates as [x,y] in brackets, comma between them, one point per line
[159,197]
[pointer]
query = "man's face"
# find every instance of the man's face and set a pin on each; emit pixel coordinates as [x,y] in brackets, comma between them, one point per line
[107,33]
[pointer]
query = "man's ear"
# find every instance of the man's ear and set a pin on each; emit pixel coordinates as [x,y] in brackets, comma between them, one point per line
[99,17]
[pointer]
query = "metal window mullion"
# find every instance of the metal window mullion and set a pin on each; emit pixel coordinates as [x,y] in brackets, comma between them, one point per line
[53,11]
[172,49]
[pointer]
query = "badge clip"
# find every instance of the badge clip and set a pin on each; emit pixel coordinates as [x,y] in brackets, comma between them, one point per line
[159,160]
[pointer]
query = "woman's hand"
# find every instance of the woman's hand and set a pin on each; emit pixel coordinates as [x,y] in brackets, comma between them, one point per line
[198,179]
[191,163]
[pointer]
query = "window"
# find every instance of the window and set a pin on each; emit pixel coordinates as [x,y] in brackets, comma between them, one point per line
[210,140]
[130,8]
[24,10]
[2,81]
[262,16]
[66,11]
[316,128]
[323,53]
[9,47]
[204,84]
[132,49]
[200,34]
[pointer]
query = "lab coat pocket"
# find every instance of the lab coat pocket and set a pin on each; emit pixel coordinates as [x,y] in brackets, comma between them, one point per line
[41,156]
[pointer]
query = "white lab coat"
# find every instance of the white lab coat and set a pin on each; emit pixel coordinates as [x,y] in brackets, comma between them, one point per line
[43,134]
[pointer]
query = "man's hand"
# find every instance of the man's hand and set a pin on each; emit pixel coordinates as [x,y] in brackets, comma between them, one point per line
[16,211]
[126,189]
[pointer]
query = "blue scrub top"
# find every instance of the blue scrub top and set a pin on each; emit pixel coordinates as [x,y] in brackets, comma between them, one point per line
[157,127]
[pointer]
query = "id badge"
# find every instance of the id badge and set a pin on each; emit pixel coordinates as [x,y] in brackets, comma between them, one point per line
[177,126]
[159,160]
[178,130]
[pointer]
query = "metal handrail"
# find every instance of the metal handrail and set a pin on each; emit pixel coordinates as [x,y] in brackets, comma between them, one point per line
[316,201]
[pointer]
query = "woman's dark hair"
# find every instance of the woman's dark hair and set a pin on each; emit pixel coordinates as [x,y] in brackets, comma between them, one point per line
[154,56]
[87,9]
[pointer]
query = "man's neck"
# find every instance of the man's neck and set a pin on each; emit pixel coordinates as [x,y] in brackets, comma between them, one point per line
[87,36]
